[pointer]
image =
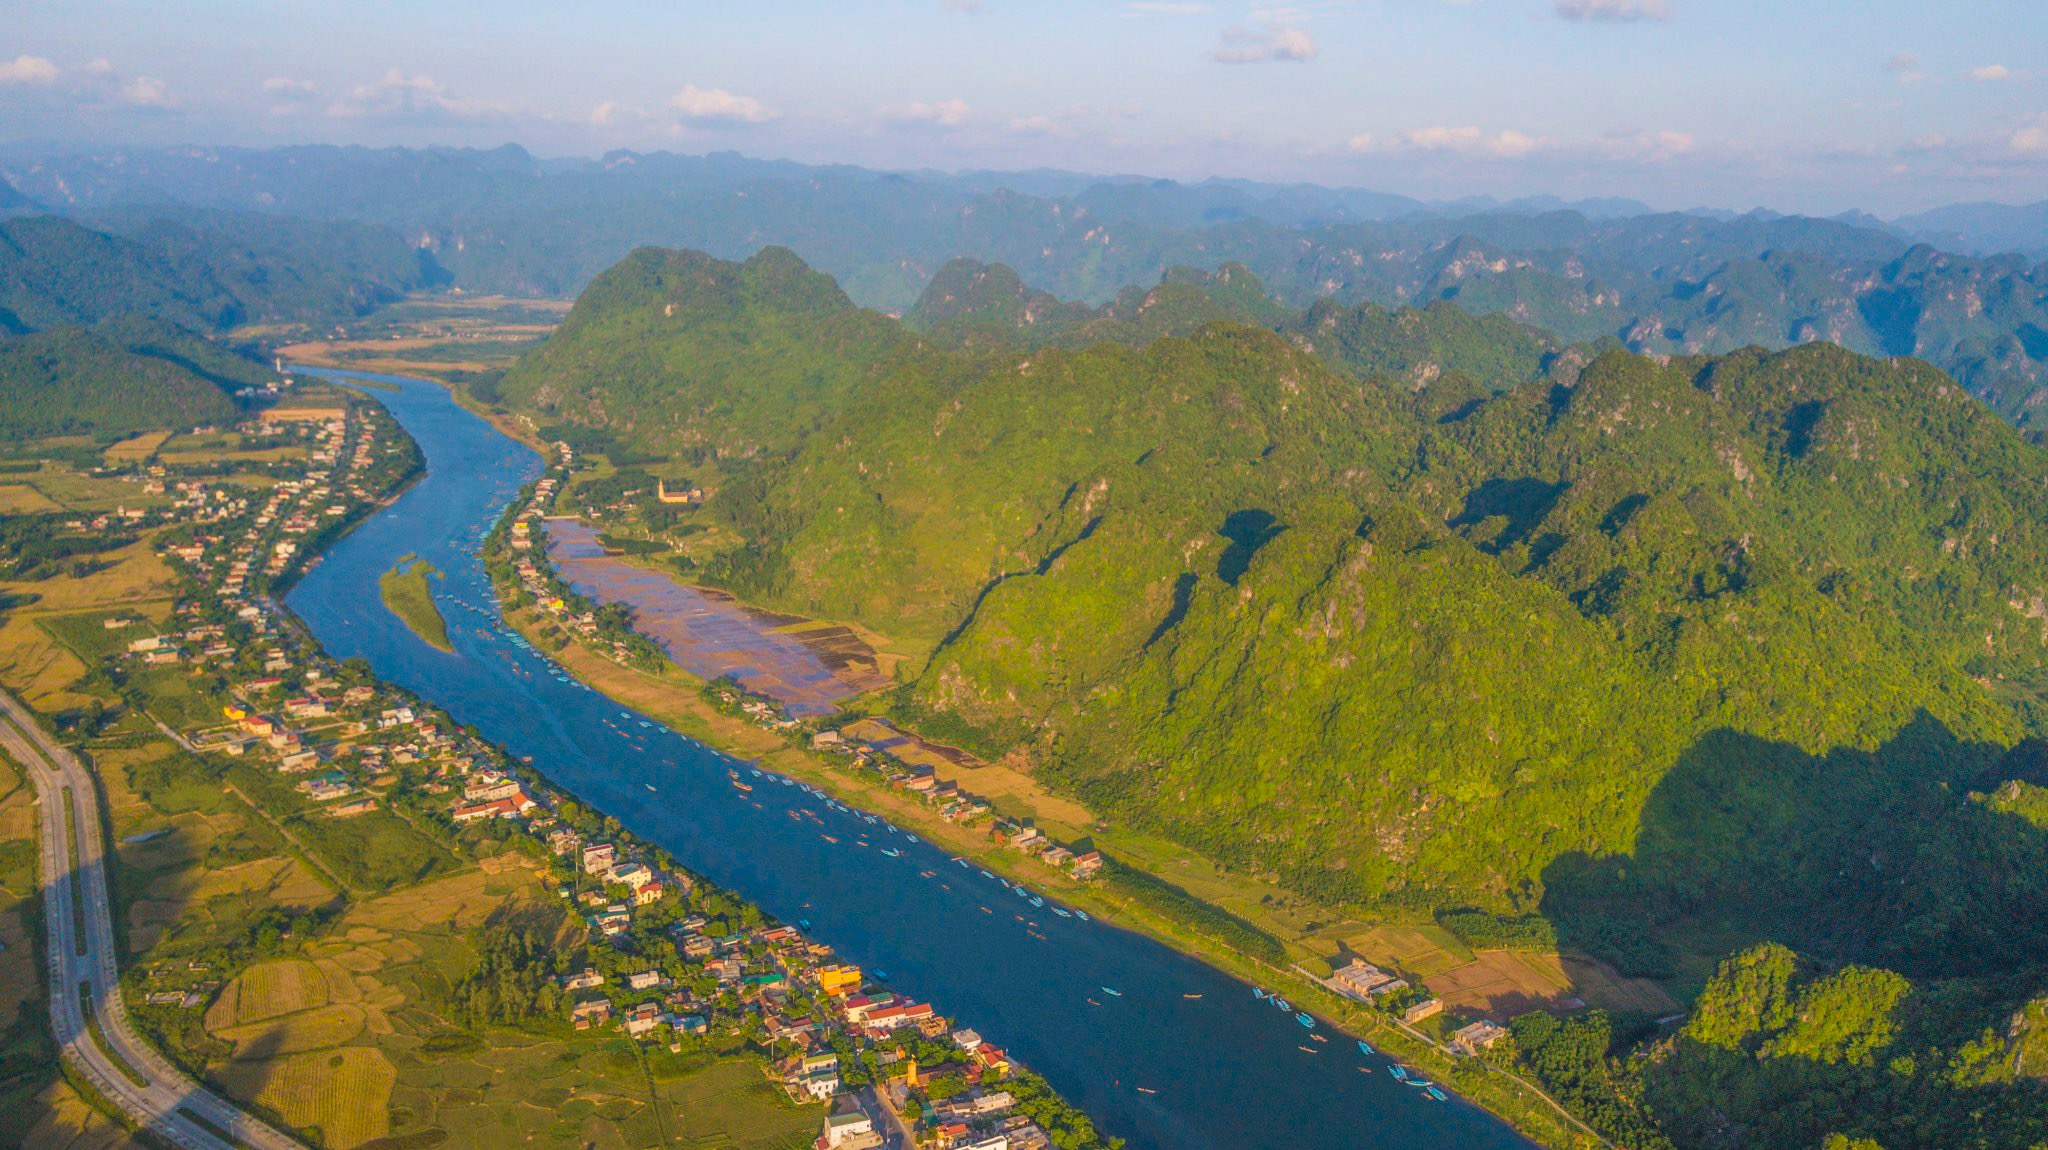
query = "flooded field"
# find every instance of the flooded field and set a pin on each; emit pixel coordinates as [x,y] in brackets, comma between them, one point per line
[809,668]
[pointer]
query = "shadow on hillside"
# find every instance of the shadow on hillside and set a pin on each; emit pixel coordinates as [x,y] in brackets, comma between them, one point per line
[1851,856]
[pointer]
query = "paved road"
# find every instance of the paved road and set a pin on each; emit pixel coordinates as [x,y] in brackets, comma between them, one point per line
[166,1106]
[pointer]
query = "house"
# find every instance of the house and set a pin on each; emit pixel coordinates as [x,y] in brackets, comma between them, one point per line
[498,809]
[596,1012]
[597,858]
[564,841]
[852,1130]
[643,979]
[1363,981]
[642,1019]
[836,980]
[1479,1036]
[614,919]
[632,874]
[299,761]
[817,1076]
[1422,1010]
[582,980]
[966,1039]
[1087,864]
[649,894]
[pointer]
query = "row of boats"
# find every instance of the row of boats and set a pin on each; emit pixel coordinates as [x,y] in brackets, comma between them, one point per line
[1397,1071]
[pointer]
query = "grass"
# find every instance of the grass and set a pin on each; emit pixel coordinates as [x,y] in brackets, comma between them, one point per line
[21,499]
[409,596]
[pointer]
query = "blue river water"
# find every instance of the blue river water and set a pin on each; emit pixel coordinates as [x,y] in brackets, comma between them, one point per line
[1229,1072]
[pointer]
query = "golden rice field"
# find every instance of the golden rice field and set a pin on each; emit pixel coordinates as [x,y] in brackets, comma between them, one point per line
[306,1030]
[136,448]
[268,990]
[21,499]
[345,1093]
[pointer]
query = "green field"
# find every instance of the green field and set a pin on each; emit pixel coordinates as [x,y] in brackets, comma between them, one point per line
[410,597]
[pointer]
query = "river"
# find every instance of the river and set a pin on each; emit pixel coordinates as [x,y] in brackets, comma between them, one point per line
[1229,1071]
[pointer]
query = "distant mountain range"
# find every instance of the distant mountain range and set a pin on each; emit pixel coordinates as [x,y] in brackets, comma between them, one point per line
[1672,283]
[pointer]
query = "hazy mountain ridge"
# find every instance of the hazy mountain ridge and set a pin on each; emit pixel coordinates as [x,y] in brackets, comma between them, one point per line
[1667,283]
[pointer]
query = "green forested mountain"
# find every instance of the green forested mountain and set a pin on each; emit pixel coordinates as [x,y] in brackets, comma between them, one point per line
[123,376]
[1416,608]
[201,271]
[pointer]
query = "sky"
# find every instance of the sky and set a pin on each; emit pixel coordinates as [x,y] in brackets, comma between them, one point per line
[1815,106]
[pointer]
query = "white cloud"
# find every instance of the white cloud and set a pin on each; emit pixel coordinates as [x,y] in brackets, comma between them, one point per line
[1468,140]
[1164,8]
[2031,140]
[1614,11]
[399,96]
[715,105]
[1990,72]
[944,113]
[1905,66]
[1362,142]
[27,69]
[1278,43]
[286,88]
[147,92]
[1033,125]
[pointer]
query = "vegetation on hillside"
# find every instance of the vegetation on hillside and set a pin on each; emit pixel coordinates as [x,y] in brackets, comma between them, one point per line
[1411,609]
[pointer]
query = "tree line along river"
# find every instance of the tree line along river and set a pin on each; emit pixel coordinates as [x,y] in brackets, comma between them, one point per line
[1150,1064]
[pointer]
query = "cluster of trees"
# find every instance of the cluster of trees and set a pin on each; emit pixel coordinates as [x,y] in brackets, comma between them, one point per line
[1781,1054]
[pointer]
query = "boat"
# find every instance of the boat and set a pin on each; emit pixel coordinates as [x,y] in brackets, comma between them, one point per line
[650,786]
[985,874]
[986,910]
[1434,1093]
[1317,1038]
[754,771]
[1063,912]
[804,922]
[892,852]
[829,839]
[743,788]
[964,864]
[1363,1048]
[881,976]
[1109,991]
[1037,901]
[1146,1090]
[1021,892]
[1191,996]
[1308,1050]
[1280,1002]
[911,837]
[1259,992]
[1082,915]
[1092,1002]
[1418,1083]
[1400,1073]
[1305,1020]
[1365,1070]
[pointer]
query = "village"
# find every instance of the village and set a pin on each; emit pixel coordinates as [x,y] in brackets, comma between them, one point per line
[665,959]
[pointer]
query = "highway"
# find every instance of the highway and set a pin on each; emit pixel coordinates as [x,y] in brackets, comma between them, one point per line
[168,1104]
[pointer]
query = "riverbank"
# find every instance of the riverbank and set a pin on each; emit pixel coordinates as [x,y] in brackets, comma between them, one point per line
[674,697]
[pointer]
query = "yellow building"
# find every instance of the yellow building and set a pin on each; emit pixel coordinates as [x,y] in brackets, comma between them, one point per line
[838,979]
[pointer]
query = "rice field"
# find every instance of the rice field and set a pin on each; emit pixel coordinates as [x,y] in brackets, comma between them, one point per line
[22,499]
[268,990]
[318,1029]
[344,1093]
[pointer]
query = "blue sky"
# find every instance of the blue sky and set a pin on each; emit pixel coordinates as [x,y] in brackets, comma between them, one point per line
[1816,106]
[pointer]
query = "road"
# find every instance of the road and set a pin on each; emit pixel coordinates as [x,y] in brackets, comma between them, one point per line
[169,1105]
